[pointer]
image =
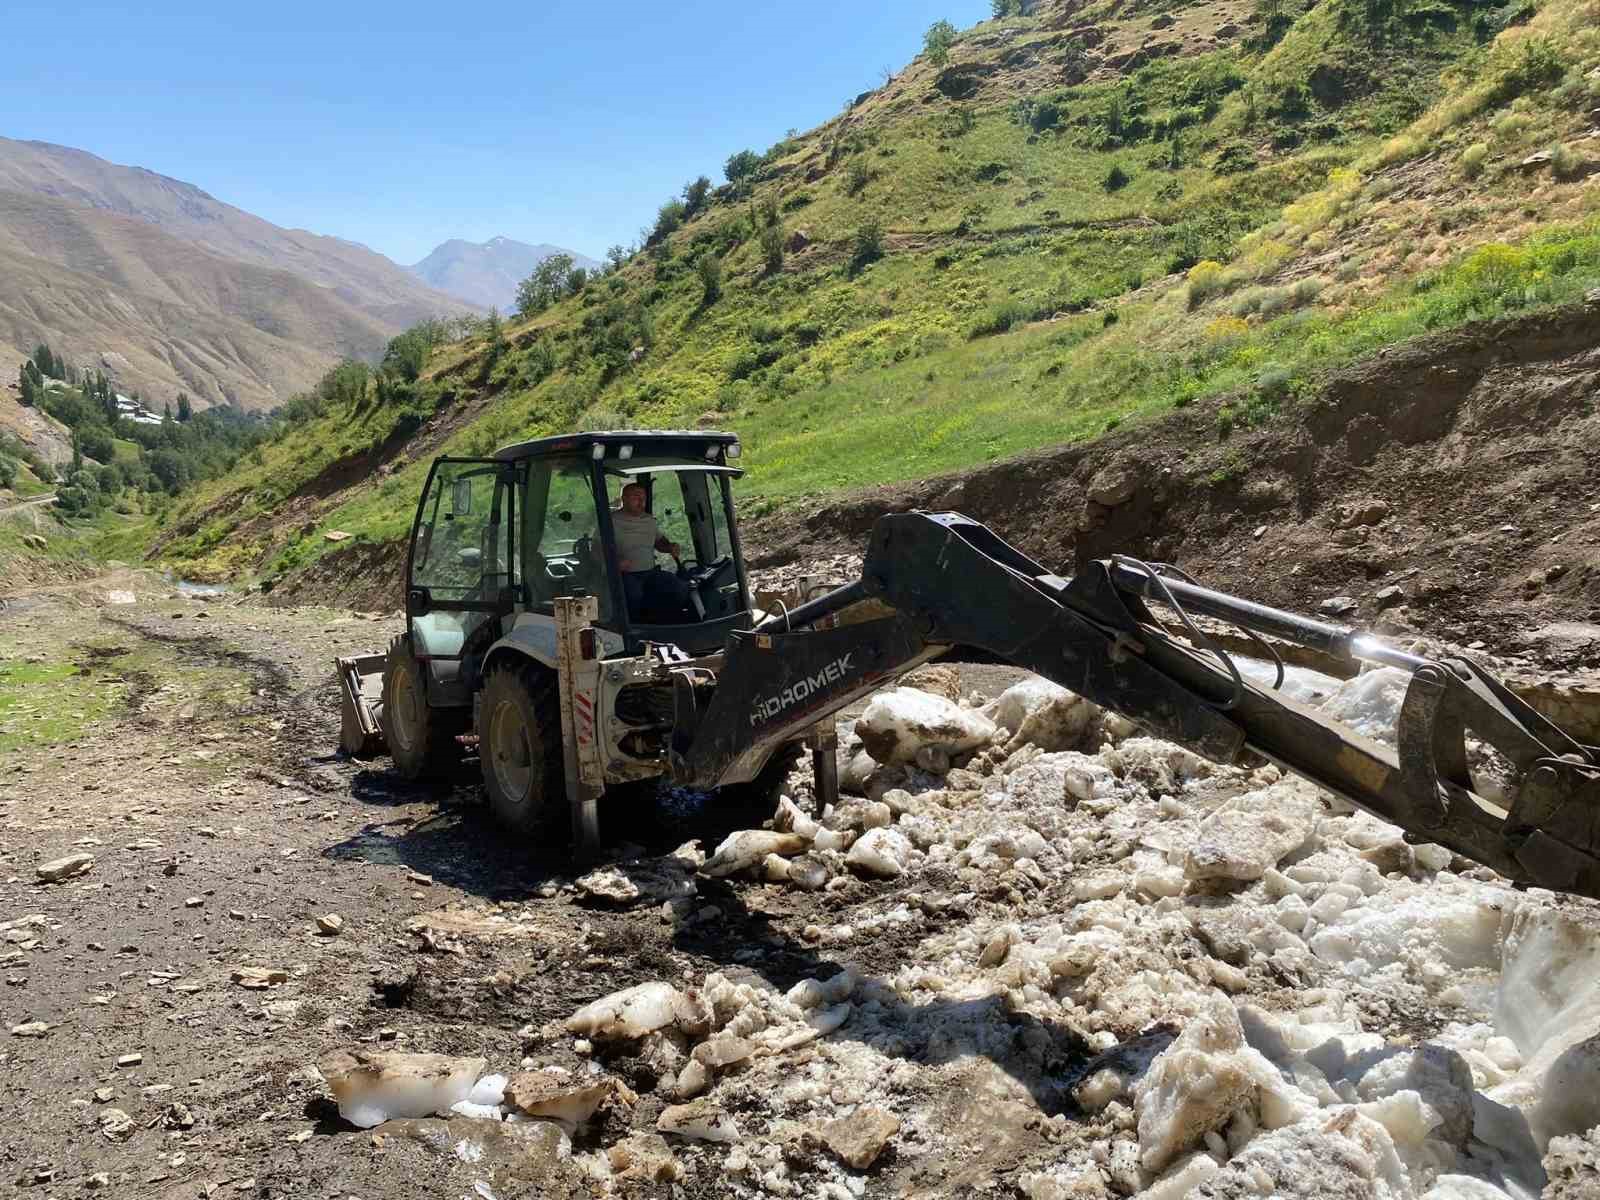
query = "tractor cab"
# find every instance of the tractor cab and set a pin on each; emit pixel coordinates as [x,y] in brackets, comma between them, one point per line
[497,541]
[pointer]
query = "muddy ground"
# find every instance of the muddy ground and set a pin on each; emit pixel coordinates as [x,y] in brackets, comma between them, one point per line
[222,822]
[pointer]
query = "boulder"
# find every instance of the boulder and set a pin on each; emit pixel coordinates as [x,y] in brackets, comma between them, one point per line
[69,867]
[1113,484]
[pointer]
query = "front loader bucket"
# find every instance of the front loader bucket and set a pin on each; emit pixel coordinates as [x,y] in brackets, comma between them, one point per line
[361,704]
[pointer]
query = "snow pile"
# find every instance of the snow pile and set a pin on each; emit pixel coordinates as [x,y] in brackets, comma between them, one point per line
[372,1087]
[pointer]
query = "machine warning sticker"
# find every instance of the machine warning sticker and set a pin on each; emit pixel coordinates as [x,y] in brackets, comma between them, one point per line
[801,690]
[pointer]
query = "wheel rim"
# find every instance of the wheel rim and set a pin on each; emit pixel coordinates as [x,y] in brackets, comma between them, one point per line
[404,704]
[511,748]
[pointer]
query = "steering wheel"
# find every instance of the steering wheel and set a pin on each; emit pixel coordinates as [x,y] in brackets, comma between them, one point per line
[687,567]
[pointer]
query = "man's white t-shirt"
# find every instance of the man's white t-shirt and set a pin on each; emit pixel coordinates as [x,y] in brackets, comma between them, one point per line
[636,540]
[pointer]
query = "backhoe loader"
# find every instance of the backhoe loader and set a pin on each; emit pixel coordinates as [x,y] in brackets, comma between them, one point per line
[520,642]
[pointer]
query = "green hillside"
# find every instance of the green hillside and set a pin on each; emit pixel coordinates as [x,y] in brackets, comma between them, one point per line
[1084,215]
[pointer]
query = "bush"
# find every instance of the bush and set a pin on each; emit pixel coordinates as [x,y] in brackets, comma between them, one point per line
[1473,159]
[856,177]
[1565,162]
[1205,281]
[1536,63]
[1398,150]
[1000,318]
[1307,290]
[773,240]
[937,41]
[1226,329]
[9,468]
[1512,126]
[97,444]
[669,219]
[1116,179]
[709,268]
[868,245]
[1274,380]
[742,165]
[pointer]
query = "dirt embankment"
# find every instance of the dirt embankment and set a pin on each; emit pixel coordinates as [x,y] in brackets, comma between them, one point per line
[1459,468]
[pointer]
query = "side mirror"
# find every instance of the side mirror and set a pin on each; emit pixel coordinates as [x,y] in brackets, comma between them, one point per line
[461,498]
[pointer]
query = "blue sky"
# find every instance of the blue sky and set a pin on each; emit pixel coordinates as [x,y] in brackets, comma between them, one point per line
[400,125]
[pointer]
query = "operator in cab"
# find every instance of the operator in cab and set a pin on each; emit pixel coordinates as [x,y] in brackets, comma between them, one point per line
[654,595]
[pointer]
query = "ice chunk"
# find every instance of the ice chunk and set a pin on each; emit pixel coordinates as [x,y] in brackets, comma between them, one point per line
[1254,832]
[376,1086]
[1194,1087]
[640,1010]
[490,1089]
[880,852]
[1463,1187]
[1370,703]
[1182,1179]
[748,848]
[700,1120]
[566,1099]
[1040,713]
[1340,1154]
[900,722]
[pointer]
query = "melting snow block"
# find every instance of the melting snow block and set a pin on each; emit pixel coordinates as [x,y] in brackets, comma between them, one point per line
[900,722]
[373,1087]
[880,852]
[748,849]
[1253,833]
[1194,1087]
[698,1120]
[1044,714]
[639,1011]
[1339,1153]
[566,1099]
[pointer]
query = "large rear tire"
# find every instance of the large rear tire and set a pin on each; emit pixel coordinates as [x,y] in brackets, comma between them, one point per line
[520,749]
[421,739]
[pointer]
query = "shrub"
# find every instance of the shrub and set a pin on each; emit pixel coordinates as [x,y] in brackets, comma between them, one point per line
[1273,380]
[1399,150]
[1116,179]
[1512,126]
[1473,159]
[1205,281]
[709,268]
[856,177]
[1226,329]
[669,219]
[742,165]
[1000,318]
[8,471]
[1224,422]
[936,42]
[868,244]
[1565,162]
[1536,63]
[773,238]
[1307,290]
[1275,300]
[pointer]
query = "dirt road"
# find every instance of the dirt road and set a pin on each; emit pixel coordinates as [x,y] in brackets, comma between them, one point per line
[188,747]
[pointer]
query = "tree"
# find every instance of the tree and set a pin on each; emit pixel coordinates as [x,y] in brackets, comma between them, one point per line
[669,219]
[495,330]
[26,380]
[1005,8]
[545,286]
[742,165]
[185,409]
[576,280]
[937,41]
[615,257]
[695,195]
[868,245]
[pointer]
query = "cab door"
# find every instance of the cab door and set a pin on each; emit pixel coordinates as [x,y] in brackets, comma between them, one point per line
[462,572]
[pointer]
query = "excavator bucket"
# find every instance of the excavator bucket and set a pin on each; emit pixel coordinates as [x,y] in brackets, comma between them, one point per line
[361,704]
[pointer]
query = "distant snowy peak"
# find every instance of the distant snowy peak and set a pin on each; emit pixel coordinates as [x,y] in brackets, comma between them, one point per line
[487,273]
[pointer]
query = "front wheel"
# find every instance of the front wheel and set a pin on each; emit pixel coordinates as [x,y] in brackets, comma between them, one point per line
[421,739]
[519,725]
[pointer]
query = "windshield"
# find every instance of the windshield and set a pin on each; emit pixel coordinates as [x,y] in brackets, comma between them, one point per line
[689,505]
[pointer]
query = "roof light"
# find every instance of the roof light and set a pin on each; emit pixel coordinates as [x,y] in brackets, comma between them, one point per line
[711,452]
[733,449]
[599,451]
[625,452]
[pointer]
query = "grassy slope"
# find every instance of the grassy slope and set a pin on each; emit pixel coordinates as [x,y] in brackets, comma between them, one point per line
[1360,222]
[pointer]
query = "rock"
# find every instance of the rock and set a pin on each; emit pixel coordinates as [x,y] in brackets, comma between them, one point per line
[1362,512]
[330,924]
[195,902]
[646,881]
[637,1011]
[121,597]
[808,874]
[1536,160]
[130,1060]
[258,978]
[880,852]
[699,1120]
[748,848]
[1194,1087]
[1390,596]
[335,535]
[902,721]
[798,241]
[177,1116]
[859,1139]
[373,1086]
[1337,606]
[1164,21]
[1249,835]
[69,867]
[99,1179]
[115,1125]
[570,1100]
[1113,484]
[644,1157]
[30,1029]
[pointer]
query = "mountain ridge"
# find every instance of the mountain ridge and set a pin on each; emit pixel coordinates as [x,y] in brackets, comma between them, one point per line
[487,273]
